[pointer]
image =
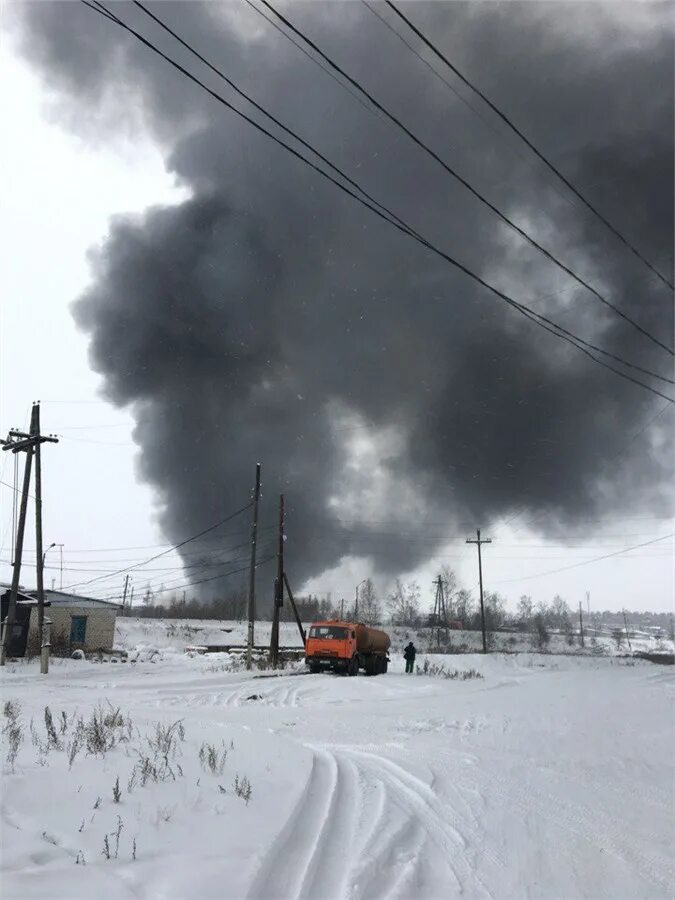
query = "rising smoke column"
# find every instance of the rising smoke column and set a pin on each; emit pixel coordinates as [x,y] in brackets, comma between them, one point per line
[268,317]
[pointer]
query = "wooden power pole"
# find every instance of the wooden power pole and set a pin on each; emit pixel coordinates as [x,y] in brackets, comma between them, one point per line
[18,441]
[124,595]
[625,625]
[278,590]
[251,579]
[478,542]
[440,617]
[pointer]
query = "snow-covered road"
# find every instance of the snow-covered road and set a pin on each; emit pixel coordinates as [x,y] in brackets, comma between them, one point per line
[548,777]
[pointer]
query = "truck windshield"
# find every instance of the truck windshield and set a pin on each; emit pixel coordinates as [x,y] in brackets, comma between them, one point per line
[328,632]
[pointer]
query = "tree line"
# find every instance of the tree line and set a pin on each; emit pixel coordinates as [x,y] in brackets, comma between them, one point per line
[404,606]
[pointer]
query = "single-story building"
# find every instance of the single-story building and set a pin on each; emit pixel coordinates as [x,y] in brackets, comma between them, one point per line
[78,623]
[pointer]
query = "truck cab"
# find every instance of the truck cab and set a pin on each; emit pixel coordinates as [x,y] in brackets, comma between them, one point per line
[330,644]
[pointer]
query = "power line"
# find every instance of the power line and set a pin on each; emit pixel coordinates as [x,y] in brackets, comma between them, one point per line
[189,584]
[154,546]
[269,115]
[164,552]
[588,561]
[451,87]
[383,212]
[15,489]
[529,143]
[542,321]
[141,568]
[466,183]
[345,87]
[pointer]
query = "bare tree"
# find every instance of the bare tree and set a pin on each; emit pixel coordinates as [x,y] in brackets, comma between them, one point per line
[560,613]
[525,612]
[370,610]
[450,590]
[404,603]
[465,607]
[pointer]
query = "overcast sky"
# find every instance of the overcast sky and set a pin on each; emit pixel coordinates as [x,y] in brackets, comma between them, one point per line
[115,487]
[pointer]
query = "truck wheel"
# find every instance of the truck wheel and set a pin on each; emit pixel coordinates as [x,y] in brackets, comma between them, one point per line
[353,668]
[385,665]
[314,668]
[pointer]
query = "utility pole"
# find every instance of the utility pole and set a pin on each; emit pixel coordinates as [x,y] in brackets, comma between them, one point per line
[342,609]
[251,578]
[39,557]
[588,602]
[581,623]
[8,624]
[16,442]
[625,622]
[440,613]
[278,590]
[124,594]
[60,546]
[478,542]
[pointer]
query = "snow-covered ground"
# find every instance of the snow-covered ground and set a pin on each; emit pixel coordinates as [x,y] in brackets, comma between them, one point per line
[550,777]
[166,634]
[163,634]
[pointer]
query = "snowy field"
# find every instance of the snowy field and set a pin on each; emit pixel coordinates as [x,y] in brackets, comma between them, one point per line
[146,635]
[549,777]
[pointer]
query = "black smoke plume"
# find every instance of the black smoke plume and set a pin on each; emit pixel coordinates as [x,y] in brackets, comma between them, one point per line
[269,318]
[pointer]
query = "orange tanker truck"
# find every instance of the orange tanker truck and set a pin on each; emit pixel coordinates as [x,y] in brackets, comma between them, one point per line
[346,647]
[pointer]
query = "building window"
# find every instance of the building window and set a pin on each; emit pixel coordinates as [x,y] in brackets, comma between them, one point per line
[78,629]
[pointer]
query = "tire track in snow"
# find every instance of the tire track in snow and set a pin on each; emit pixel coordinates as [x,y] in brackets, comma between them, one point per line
[284,694]
[451,844]
[286,865]
[366,829]
[328,871]
[392,862]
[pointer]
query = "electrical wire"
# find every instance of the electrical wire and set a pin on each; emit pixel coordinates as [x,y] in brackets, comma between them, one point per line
[16,491]
[526,140]
[269,115]
[587,562]
[189,584]
[466,184]
[164,552]
[542,321]
[345,87]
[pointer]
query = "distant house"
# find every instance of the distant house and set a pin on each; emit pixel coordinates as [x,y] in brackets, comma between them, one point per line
[78,623]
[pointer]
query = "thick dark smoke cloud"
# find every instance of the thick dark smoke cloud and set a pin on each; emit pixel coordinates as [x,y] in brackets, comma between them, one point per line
[268,317]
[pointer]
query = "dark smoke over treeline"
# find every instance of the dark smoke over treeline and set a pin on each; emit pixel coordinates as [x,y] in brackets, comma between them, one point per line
[270,318]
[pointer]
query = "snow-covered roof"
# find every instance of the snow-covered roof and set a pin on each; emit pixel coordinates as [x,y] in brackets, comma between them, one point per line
[22,599]
[62,598]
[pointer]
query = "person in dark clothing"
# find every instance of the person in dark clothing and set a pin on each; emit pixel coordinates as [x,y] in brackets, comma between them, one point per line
[409,656]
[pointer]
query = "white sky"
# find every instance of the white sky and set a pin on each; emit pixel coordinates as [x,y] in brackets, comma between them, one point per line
[57,195]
